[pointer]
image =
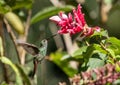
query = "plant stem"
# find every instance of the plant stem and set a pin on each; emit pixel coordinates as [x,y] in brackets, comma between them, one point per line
[103,46]
[13,38]
[87,43]
[24,38]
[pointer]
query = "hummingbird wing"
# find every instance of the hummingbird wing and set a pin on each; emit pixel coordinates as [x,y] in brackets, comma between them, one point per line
[30,48]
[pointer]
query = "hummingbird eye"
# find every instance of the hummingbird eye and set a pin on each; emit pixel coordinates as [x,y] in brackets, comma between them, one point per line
[43,41]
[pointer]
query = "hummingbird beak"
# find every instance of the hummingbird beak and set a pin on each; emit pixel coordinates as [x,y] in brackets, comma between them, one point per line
[51,36]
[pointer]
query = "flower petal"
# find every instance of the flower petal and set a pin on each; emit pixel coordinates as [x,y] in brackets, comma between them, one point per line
[55,19]
[63,16]
[73,23]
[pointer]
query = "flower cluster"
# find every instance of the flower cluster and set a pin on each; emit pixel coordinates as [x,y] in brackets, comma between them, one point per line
[73,23]
[104,75]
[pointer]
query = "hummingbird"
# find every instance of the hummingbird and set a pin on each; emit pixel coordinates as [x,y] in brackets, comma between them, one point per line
[38,53]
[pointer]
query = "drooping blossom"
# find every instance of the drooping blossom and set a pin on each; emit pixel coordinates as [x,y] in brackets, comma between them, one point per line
[88,31]
[73,23]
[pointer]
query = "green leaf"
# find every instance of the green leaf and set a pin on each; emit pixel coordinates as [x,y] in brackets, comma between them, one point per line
[101,33]
[69,58]
[13,66]
[49,12]
[97,60]
[108,2]
[110,61]
[112,53]
[24,76]
[117,68]
[15,22]
[65,57]
[22,4]
[1,47]
[63,64]
[118,57]
[94,53]
[97,37]
[88,53]
[79,52]
[2,2]
[94,48]
[114,44]
[3,83]
[4,9]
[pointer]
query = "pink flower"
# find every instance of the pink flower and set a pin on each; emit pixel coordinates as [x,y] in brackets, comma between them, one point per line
[72,23]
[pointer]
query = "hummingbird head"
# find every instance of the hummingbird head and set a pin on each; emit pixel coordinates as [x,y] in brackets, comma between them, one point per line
[44,42]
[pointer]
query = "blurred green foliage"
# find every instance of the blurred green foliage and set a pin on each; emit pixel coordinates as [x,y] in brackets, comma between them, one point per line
[57,68]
